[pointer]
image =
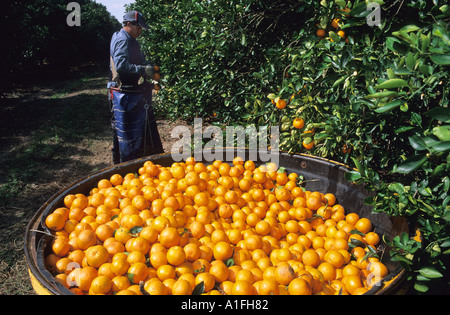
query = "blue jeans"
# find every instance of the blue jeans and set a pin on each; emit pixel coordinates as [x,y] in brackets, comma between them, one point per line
[134,125]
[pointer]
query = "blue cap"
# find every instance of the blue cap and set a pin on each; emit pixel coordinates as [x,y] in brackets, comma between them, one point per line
[135,17]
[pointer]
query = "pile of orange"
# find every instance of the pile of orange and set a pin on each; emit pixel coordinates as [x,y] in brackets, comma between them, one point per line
[238,228]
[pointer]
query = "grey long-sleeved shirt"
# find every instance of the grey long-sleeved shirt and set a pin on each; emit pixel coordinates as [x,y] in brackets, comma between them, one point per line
[128,58]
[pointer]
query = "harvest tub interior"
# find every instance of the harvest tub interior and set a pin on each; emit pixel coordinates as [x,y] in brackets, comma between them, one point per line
[320,175]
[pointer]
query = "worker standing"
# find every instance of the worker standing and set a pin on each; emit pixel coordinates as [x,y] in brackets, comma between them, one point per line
[135,132]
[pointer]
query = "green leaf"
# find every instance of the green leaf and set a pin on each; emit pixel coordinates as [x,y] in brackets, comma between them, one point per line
[440,113]
[136,229]
[199,289]
[361,169]
[442,146]
[357,243]
[430,273]
[389,106]
[243,40]
[396,45]
[442,132]
[403,129]
[130,277]
[229,262]
[360,10]
[411,164]
[382,94]
[446,243]
[420,287]
[392,84]
[410,28]
[417,143]
[443,59]
[397,188]
[352,176]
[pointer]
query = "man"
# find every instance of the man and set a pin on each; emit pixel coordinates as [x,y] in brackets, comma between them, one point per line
[133,121]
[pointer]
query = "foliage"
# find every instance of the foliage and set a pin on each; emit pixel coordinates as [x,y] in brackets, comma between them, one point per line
[37,33]
[217,56]
[371,96]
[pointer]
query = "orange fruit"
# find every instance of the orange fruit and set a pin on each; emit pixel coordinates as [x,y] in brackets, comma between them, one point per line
[308,143]
[310,258]
[320,32]
[181,287]
[61,247]
[68,200]
[197,229]
[101,285]
[372,238]
[352,283]
[341,33]
[351,270]
[262,228]
[158,259]
[149,233]
[82,277]
[116,179]
[280,103]
[120,283]
[330,198]
[103,232]
[97,256]
[335,258]
[298,123]
[328,271]
[155,287]
[378,269]
[137,272]
[268,287]
[176,255]
[222,251]
[201,199]
[86,239]
[352,218]
[219,271]
[140,244]
[122,235]
[169,237]
[224,169]
[313,203]
[165,272]
[363,225]
[119,267]
[253,242]
[284,273]
[55,221]
[335,23]
[299,286]
[207,279]
[282,194]
[242,288]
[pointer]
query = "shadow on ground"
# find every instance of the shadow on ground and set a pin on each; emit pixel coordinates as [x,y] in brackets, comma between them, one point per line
[51,135]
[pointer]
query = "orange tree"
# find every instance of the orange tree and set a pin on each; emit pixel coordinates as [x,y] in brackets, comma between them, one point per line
[379,95]
[219,56]
[371,93]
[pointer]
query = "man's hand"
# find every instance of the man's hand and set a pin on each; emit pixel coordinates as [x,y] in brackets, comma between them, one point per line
[149,71]
[153,72]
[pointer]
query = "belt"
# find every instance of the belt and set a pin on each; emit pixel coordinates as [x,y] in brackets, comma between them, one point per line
[125,88]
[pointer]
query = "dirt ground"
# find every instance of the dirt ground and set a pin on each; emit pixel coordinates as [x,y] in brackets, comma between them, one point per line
[53,131]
